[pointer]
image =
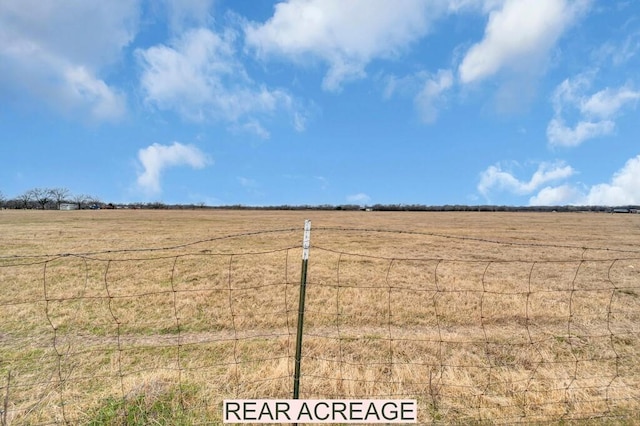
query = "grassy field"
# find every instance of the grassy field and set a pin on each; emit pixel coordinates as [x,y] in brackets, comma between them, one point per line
[155,317]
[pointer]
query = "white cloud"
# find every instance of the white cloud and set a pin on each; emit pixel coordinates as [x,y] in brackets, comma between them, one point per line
[596,112]
[188,14]
[570,92]
[494,178]
[105,103]
[189,74]
[518,36]
[56,50]
[346,35]
[622,189]
[199,77]
[620,53]
[359,198]
[559,133]
[556,196]
[428,98]
[256,128]
[606,103]
[299,121]
[156,158]
[427,90]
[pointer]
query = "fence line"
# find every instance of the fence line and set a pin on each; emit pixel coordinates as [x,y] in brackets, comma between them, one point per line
[521,335]
[573,325]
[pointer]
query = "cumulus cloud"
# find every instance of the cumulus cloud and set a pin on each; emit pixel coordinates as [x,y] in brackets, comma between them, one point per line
[188,75]
[57,50]
[559,133]
[105,103]
[156,158]
[346,35]
[596,111]
[495,178]
[518,36]
[622,189]
[199,77]
[556,196]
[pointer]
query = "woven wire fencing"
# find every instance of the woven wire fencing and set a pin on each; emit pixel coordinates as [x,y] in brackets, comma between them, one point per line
[474,330]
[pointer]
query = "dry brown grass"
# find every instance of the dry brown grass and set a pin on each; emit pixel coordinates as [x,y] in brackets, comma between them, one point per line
[481,317]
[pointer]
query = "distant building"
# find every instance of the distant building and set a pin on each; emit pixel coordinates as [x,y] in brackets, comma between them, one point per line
[69,206]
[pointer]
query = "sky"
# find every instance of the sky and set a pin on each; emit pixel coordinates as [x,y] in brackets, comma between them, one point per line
[314,102]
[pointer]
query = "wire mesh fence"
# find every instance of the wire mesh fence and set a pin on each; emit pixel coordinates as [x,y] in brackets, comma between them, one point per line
[475,330]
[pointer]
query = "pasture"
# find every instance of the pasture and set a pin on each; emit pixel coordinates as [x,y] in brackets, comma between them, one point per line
[140,316]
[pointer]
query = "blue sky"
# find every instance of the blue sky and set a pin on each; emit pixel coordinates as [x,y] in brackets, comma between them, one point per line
[510,102]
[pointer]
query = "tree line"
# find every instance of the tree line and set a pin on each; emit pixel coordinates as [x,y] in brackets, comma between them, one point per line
[53,198]
[445,208]
[47,199]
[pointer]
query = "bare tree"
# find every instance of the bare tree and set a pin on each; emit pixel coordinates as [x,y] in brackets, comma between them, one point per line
[81,199]
[2,199]
[25,199]
[41,196]
[59,195]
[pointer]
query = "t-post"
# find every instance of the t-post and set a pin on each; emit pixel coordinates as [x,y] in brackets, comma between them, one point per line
[303,286]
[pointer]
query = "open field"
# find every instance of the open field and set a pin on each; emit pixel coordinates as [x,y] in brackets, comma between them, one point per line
[136,316]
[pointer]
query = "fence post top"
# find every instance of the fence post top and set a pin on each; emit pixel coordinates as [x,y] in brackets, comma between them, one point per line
[306,241]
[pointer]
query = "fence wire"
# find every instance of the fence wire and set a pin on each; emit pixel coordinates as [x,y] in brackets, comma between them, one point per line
[476,330]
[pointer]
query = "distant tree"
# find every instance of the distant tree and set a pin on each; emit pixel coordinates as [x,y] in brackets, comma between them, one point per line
[156,205]
[59,195]
[81,200]
[25,199]
[41,196]
[2,199]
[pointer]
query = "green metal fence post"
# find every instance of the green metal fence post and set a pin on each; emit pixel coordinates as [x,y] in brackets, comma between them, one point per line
[303,286]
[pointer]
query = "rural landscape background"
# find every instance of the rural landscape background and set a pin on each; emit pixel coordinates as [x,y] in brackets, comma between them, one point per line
[470,168]
[122,316]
